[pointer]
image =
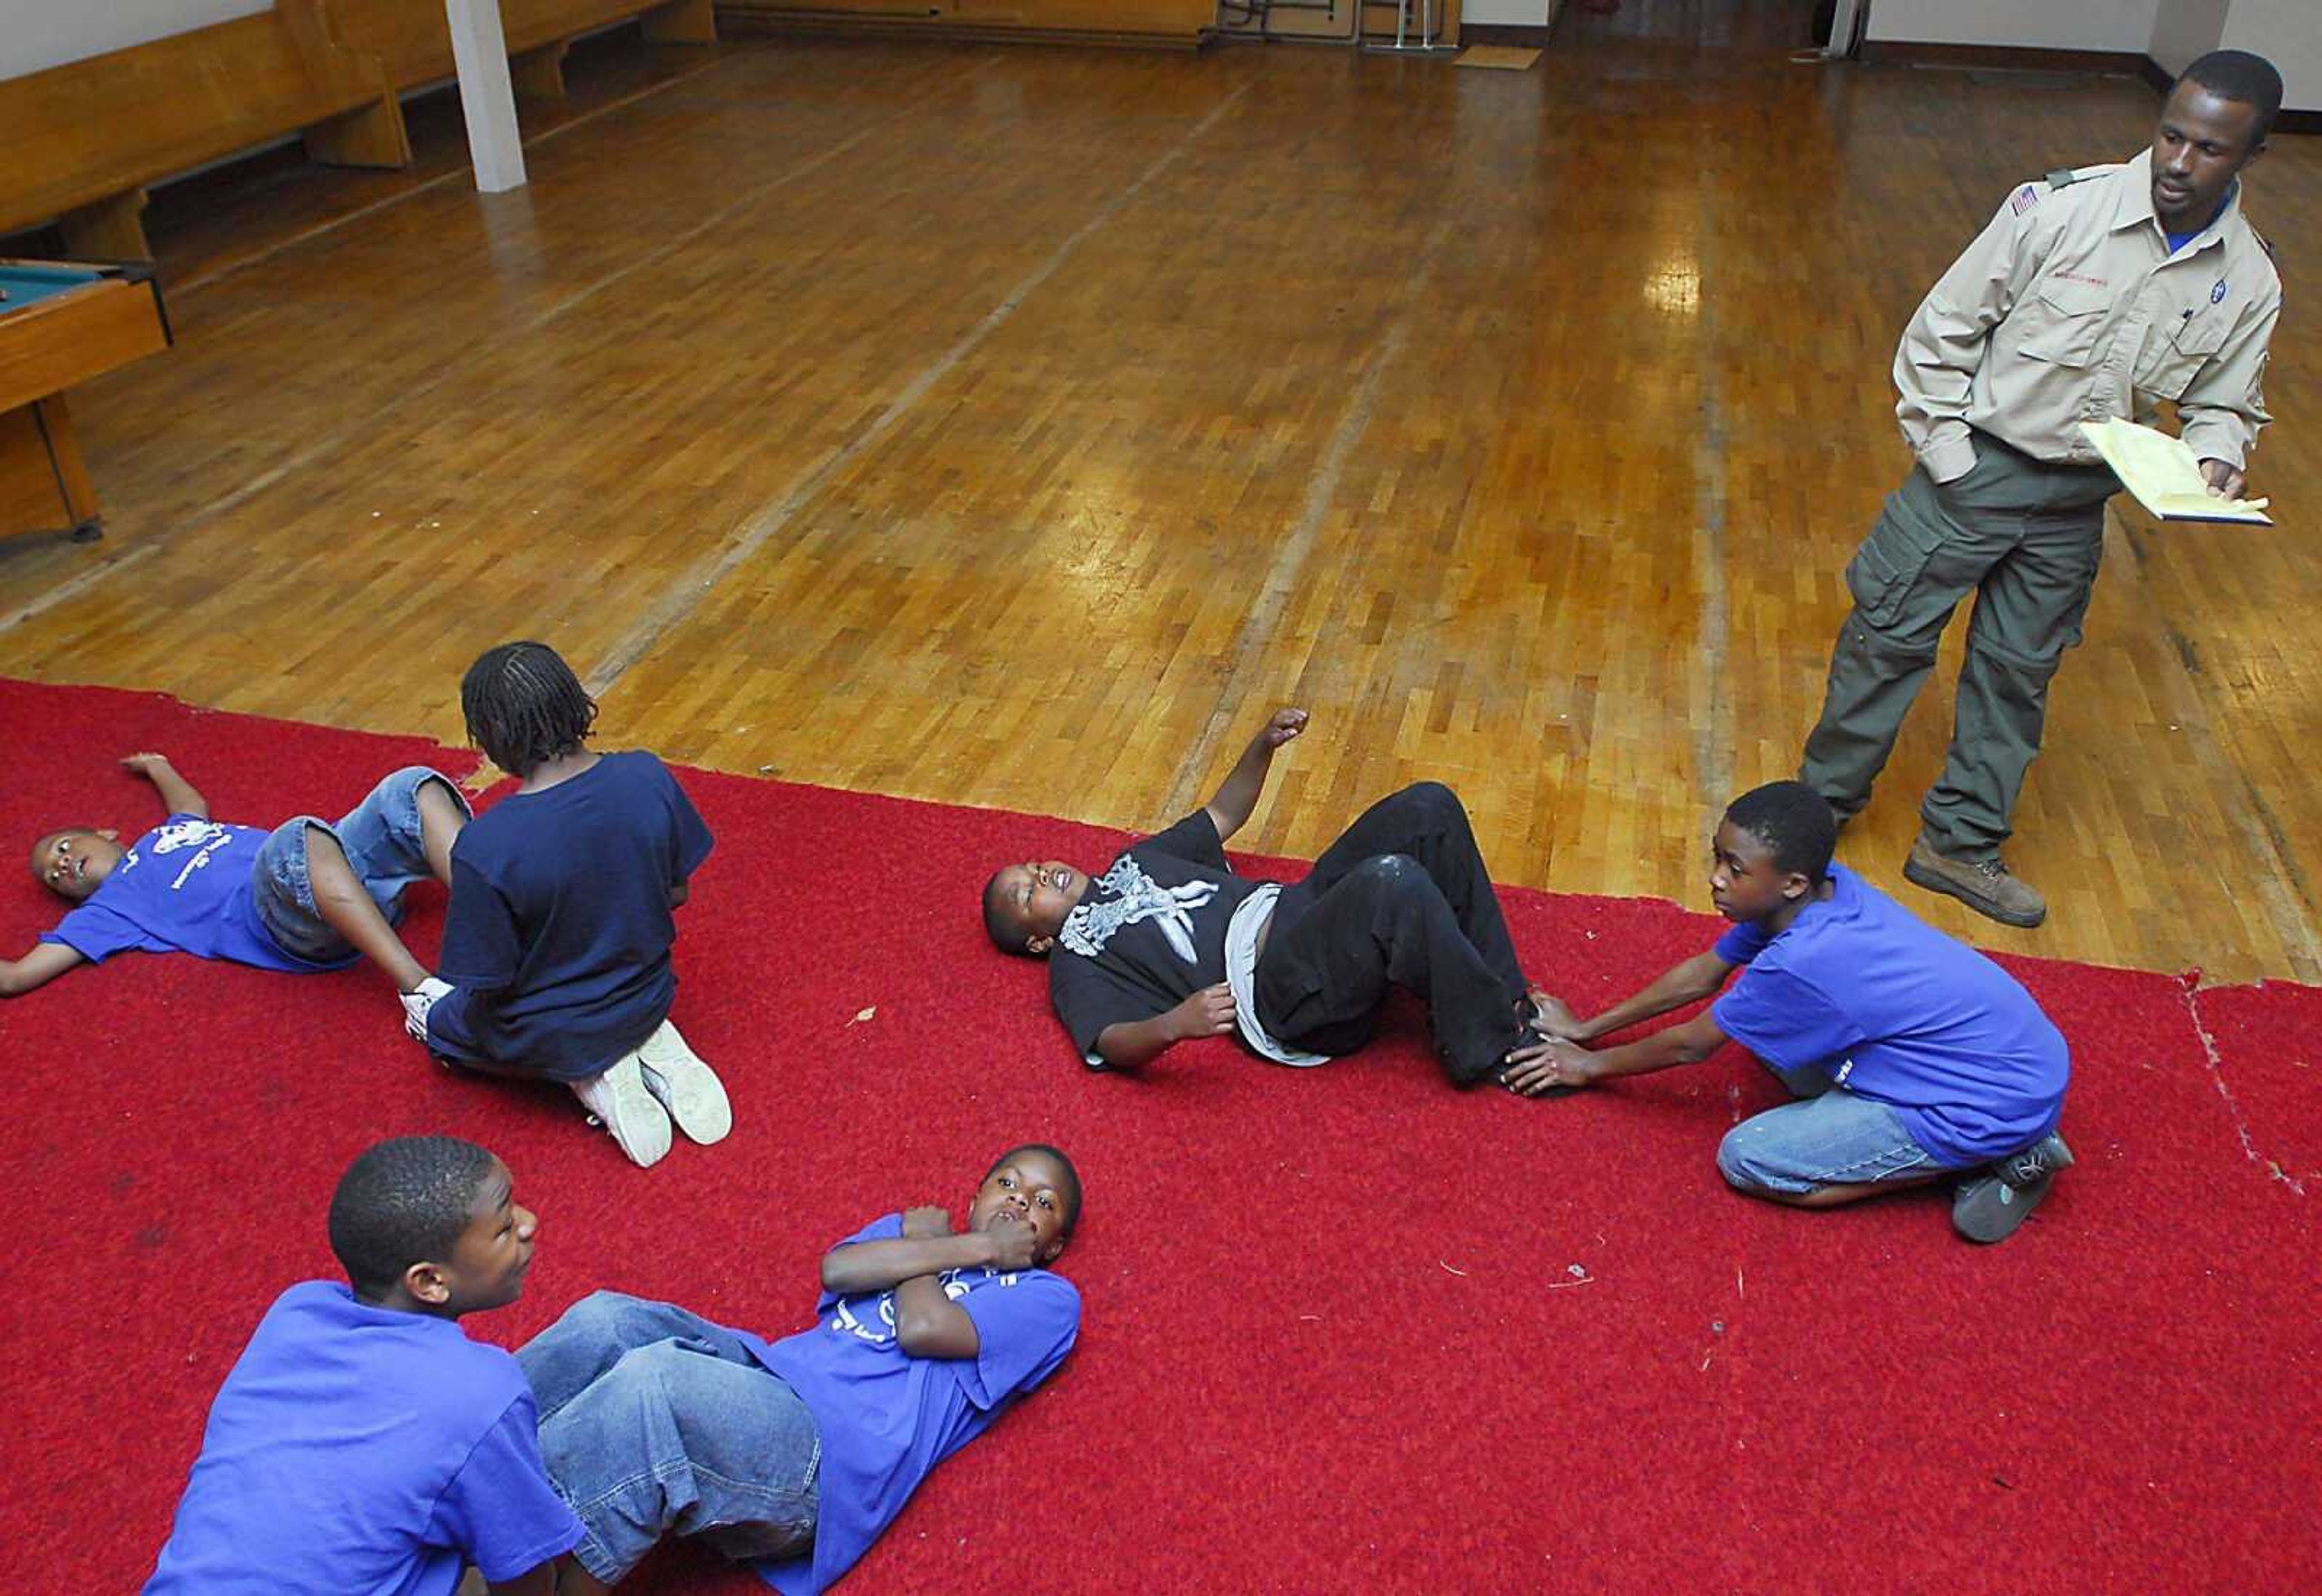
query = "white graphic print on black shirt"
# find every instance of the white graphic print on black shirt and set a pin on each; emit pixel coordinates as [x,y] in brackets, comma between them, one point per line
[1149,933]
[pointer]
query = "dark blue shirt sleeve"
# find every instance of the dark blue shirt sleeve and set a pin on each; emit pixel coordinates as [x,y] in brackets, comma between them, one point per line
[499,1510]
[1022,1330]
[692,833]
[481,949]
[1783,1020]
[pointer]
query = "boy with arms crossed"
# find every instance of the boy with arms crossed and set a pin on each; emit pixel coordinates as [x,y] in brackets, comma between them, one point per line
[800,1452]
[361,1442]
[1912,1057]
[1169,944]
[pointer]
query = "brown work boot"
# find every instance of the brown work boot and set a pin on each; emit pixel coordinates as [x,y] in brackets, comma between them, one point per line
[1984,885]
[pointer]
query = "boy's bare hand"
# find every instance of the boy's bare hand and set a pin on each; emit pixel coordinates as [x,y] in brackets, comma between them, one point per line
[1532,1070]
[146,764]
[1552,1017]
[1284,726]
[926,1224]
[1013,1245]
[1209,1012]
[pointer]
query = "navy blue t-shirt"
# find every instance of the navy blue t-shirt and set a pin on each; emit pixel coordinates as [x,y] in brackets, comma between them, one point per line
[558,932]
[1896,1011]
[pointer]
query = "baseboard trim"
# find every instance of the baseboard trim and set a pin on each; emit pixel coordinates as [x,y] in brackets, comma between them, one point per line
[1502,33]
[2010,58]
[740,18]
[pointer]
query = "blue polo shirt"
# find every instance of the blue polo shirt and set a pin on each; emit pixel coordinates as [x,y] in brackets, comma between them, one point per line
[886,1418]
[1895,1011]
[363,1448]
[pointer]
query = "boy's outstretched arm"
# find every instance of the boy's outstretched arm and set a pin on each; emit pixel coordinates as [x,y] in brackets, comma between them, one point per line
[1236,796]
[178,795]
[44,964]
[1533,1069]
[1687,981]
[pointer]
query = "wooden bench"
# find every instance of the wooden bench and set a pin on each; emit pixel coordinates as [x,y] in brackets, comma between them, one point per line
[412,41]
[84,140]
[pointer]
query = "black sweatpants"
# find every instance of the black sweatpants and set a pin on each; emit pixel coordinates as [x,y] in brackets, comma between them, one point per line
[1400,900]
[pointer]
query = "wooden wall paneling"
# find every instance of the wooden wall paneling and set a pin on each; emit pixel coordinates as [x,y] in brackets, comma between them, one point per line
[681,21]
[84,139]
[539,74]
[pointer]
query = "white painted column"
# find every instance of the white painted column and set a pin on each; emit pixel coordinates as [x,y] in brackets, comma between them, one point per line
[487,97]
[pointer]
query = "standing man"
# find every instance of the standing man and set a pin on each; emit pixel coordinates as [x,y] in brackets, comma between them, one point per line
[2093,293]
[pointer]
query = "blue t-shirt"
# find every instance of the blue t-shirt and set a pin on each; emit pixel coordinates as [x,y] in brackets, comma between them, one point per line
[887,1417]
[183,888]
[560,928]
[1899,1013]
[361,1448]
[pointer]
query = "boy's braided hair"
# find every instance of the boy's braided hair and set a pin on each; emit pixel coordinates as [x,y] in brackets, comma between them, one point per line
[524,706]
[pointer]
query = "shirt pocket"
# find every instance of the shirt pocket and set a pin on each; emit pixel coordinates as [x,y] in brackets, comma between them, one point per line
[2061,323]
[2173,360]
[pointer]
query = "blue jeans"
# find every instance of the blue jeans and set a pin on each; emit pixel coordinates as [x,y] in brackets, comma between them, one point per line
[1829,1137]
[654,1420]
[382,840]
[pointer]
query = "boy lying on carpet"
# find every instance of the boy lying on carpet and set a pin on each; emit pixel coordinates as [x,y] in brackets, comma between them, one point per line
[801,1452]
[1912,1056]
[309,895]
[362,1442]
[557,947]
[1169,944]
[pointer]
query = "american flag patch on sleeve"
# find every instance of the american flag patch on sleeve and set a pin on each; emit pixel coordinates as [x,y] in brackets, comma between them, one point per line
[2023,198]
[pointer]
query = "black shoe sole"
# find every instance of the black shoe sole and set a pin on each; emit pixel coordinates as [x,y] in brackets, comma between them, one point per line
[1932,882]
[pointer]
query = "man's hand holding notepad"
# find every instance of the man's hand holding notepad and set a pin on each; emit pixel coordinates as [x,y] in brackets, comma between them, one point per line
[2165,477]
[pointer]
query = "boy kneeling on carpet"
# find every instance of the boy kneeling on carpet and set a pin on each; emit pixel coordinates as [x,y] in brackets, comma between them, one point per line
[557,947]
[309,895]
[361,1442]
[798,1454]
[1912,1056]
[1169,944]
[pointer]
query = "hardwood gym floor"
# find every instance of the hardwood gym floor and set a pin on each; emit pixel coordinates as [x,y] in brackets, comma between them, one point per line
[1018,426]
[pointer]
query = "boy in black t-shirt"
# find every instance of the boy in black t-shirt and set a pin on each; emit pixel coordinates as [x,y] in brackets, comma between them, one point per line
[1169,943]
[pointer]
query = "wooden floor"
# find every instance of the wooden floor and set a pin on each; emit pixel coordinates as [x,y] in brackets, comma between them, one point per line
[1019,426]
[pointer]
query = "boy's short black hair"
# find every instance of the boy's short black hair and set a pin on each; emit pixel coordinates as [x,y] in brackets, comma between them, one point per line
[1000,922]
[2237,74]
[1064,1167]
[524,706]
[1794,821]
[401,1202]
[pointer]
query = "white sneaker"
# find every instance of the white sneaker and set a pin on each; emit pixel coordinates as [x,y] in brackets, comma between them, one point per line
[619,1101]
[686,1087]
[416,1005]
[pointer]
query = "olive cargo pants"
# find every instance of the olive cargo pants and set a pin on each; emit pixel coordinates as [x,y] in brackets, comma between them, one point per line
[2025,537]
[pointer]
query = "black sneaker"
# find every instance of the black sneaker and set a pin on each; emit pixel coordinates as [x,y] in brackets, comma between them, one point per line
[1990,1203]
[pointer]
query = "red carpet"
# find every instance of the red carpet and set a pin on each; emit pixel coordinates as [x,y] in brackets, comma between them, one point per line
[1345,1326]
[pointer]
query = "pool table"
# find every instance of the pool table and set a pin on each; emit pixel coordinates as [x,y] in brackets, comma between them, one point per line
[61,323]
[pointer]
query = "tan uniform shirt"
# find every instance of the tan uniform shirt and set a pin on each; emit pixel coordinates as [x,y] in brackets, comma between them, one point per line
[2069,307]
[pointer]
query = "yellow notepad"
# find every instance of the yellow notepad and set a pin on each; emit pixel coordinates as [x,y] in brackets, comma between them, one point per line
[2164,475]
